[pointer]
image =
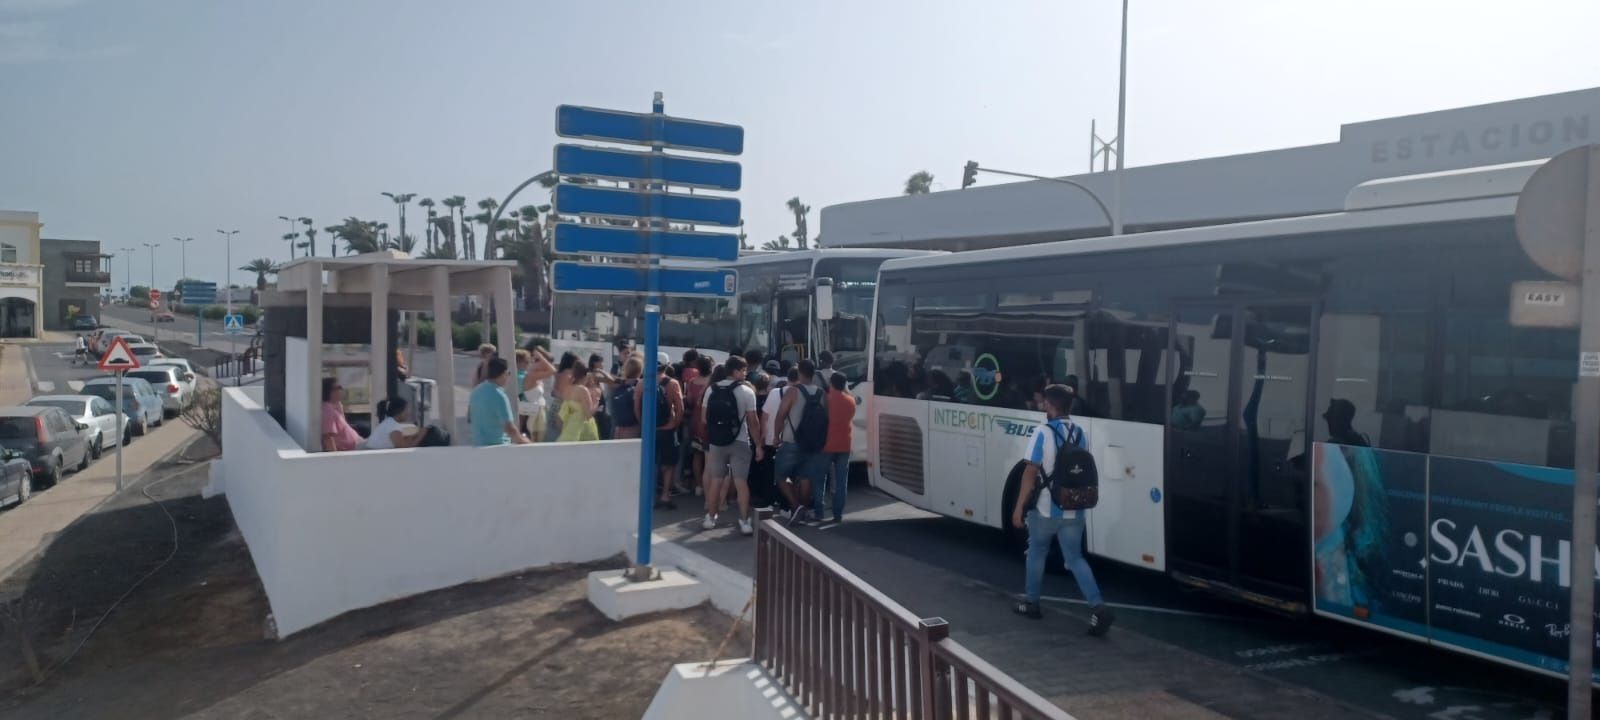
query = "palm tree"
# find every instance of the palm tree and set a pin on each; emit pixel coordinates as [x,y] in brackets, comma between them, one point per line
[290,238]
[428,203]
[443,251]
[261,266]
[919,183]
[743,238]
[401,199]
[487,205]
[444,231]
[311,237]
[782,243]
[383,234]
[801,236]
[359,236]
[457,204]
[333,232]
[404,243]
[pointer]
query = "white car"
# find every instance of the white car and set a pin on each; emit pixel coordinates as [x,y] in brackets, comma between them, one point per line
[186,377]
[145,352]
[107,427]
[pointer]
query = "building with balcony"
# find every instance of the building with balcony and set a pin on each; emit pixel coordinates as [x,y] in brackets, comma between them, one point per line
[21,274]
[75,275]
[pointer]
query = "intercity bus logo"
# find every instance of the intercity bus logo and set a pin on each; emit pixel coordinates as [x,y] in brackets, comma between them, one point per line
[983,422]
[985,376]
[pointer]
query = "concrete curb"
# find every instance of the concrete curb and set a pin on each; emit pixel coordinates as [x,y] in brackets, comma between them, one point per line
[730,589]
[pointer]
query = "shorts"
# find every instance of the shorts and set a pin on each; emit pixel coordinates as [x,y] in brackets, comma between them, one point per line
[792,462]
[666,447]
[735,459]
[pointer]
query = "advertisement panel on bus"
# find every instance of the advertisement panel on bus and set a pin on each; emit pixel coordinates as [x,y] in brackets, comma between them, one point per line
[1473,554]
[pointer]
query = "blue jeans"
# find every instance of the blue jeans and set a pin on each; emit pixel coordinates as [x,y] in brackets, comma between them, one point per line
[838,473]
[1069,533]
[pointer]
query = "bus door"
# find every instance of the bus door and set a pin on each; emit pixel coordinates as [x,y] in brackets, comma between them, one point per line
[793,328]
[1237,477]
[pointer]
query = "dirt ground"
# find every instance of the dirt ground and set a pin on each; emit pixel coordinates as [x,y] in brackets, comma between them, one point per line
[190,641]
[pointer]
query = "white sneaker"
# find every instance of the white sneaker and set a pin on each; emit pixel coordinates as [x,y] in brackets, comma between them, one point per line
[710,523]
[745,528]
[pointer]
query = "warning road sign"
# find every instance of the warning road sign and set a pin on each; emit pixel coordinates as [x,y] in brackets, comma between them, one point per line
[118,357]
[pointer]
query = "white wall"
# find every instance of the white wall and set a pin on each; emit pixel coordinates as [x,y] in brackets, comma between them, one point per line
[294,376]
[333,532]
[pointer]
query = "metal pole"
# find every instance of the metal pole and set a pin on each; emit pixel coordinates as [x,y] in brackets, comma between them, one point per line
[649,422]
[227,287]
[124,412]
[1580,648]
[1092,195]
[1122,127]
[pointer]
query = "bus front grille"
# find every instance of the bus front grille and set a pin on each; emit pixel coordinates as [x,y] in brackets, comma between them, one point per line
[900,451]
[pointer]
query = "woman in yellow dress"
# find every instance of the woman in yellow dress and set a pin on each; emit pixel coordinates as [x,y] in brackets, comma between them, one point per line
[578,405]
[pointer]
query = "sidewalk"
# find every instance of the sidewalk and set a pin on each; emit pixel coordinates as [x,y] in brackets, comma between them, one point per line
[26,530]
[15,389]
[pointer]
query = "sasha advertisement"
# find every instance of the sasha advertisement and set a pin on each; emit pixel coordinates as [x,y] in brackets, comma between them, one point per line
[1469,553]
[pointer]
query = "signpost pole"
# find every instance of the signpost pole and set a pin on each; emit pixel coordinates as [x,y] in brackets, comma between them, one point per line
[124,412]
[652,344]
[1580,650]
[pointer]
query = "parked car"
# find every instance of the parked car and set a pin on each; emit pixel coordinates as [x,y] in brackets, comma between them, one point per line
[140,401]
[165,316]
[85,322]
[145,352]
[51,441]
[106,426]
[165,380]
[102,342]
[186,378]
[16,478]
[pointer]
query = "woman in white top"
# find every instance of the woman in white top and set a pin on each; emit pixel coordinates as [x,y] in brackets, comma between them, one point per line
[395,429]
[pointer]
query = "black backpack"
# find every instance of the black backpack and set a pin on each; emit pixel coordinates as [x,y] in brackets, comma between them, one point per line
[663,408]
[812,432]
[722,415]
[622,404]
[1074,482]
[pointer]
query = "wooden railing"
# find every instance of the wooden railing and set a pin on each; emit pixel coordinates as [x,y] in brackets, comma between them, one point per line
[843,649]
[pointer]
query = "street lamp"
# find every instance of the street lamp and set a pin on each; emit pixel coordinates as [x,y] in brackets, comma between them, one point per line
[291,221]
[183,257]
[153,247]
[227,286]
[972,169]
[127,276]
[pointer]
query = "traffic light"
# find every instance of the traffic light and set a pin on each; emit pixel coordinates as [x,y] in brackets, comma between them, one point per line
[969,175]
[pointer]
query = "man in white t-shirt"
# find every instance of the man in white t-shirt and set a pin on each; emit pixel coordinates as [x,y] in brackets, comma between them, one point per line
[1046,521]
[728,413]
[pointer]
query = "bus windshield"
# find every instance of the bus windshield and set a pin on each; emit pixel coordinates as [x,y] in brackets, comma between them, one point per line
[854,282]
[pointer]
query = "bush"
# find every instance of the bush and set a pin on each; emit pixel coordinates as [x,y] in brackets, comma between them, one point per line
[468,337]
[204,413]
[251,313]
[214,312]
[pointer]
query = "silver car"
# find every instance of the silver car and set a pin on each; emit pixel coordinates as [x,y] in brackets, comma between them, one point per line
[139,400]
[186,372]
[164,378]
[107,427]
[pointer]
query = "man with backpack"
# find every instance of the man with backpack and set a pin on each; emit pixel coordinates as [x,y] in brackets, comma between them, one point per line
[729,415]
[804,414]
[1058,487]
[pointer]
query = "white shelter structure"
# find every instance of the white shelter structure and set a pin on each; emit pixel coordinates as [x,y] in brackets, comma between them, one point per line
[382,282]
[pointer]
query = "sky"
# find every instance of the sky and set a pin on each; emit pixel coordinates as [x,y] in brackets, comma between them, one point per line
[134,121]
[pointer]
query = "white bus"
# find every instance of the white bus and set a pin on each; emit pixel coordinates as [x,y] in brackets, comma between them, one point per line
[1330,414]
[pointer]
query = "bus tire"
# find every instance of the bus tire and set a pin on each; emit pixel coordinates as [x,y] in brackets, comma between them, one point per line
[1015,538]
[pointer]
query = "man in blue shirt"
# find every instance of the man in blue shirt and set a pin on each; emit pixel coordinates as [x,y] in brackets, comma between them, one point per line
[489,409]
[1046,521]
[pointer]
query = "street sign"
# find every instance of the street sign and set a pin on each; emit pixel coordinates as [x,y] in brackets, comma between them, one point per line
[118,357]
[155,295]
[618,279]
[155,304]
[620,241]
[610,164]
[654,129]
[233,324]
[618,203]
[198,293]
[1550,214]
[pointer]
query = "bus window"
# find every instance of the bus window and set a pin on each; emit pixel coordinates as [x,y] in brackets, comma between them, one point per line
[794,320]
[894,354]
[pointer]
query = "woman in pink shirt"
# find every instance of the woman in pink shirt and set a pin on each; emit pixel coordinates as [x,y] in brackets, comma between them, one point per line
[337,435]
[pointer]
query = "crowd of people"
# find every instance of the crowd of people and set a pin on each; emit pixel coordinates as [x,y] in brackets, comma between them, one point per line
[742,433]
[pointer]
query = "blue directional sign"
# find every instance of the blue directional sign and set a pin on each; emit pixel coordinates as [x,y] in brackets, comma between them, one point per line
[198,293]
[233,324]
[575,121]
[619,279]
[609,164]
[613,202]
[610,240]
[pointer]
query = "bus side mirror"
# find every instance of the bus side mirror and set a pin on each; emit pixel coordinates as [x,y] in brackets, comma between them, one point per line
[824,299]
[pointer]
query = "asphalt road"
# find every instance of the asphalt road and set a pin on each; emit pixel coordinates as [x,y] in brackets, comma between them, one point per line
[1386,675]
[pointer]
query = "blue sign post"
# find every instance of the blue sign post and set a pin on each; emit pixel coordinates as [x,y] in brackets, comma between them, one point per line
[653,208]
[202,294]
